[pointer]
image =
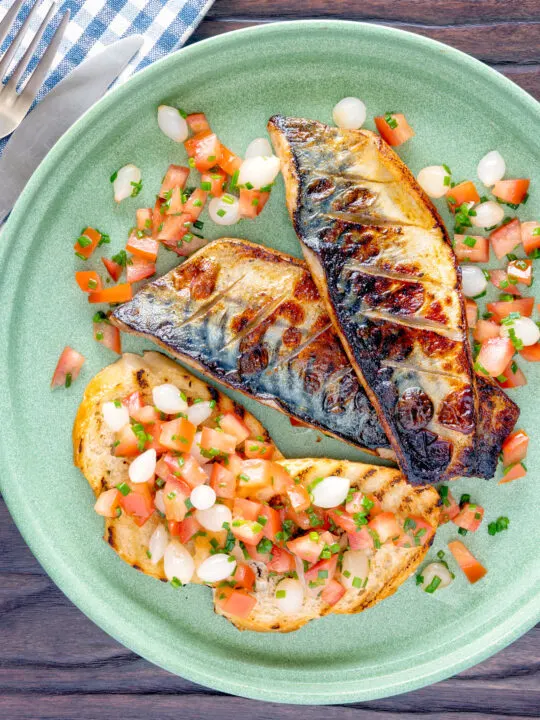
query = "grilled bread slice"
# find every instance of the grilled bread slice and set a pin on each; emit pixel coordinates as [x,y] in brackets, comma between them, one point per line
[382,261]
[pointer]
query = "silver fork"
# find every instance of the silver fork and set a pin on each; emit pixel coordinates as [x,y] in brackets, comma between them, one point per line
[13,105]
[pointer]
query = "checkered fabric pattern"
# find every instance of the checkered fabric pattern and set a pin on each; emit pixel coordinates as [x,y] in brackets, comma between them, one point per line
[94,24]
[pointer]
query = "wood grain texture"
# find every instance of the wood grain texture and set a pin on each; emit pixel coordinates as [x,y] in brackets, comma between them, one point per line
[56,664]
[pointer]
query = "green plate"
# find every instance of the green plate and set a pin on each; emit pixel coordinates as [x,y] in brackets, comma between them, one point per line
[460,109]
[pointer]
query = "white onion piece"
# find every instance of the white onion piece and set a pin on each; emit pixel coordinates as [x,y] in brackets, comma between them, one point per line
[203,497]
[431,180]
[105,503]
[213,518]
[488,213]
[289,595]
[331,491]
[349,113]
[126,178]
[257,148]
[167,398]
[473,280]
[355,565]
[224,210]
[195,451]
[115,418]
[172,124]
[436,569]
[157,543]
[525,330]
[142,469]
[491,168]
[178,563]
[216,567]
[159,502]
[199,412]
[259,171]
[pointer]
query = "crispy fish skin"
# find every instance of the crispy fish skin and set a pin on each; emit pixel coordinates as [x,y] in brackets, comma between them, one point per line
[316,384]
[382,261]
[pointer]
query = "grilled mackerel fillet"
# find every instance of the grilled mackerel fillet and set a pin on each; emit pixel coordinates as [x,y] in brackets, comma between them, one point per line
[251,317]
[382,261]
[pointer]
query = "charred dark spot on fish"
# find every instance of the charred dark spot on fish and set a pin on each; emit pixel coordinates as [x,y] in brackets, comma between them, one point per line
[239,322]
[430,452]
[200,276]
[254,360]
[414,409]
[305,289]
[436,312]
[291,311]
[292,337]
[239,410]
[141,379]
[435,345]
[394,296]
[457,411]
[354,199]
[320,189]
[383,339]
[214,394]
[320,323]
[339,394]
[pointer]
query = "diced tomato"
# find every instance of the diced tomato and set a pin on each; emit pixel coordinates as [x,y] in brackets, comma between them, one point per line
[108,335]
[244,577]
[213,182]
[178,434]
[506,238]
[113,268]
[256,449]
[138,503]
[514,376]
[192,472]
[195,203]
[511,191]
[479,252]
[246,509]
[140,269]
[172,228]
[273,522]
[250,532]
[205,149]
[108,503]
[473,570]
[228,161]
[321,572]
[175,203]
[513,472]
[256,478]
[198,123]
[300,519]
[162,469]
[233,425]
[144,247]
[503,308]
[297,423]
[530,236]
[67,368]
[494,356]
[252,202]
[500,279]
[521,270]
[394,128]
[222,481]
[280,478]
[175,494]
[471,310]
[306,547]
[355,504]
[332,593]
[361,539]
[298,497]
[213,440]
[87,248]
[419,530]
[377,507]
[88,280]
[469,517]
[116,294]
[126,443]
[450,508]
[175,177]
[343,520]
[234,464]
[282,561]
[514,448]
[235,602]
[185,529]
[134,403]
[531,353]
[144,218]
[465,192]
[254,554]
[486,329]
[385,525]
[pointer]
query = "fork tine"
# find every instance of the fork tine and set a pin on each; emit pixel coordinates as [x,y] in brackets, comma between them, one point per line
[23,62]
[12,49]
[9,19]
[35,81]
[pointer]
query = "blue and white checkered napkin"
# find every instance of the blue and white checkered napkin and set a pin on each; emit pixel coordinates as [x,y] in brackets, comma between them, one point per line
[164,24]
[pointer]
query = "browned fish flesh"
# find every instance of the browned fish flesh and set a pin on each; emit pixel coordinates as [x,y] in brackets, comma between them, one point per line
[384,266]
[251,317]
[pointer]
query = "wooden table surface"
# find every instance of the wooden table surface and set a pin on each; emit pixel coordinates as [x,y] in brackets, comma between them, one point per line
[55,663]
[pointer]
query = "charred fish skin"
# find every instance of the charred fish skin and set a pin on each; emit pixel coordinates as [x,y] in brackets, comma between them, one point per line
[383,263]
[252,318]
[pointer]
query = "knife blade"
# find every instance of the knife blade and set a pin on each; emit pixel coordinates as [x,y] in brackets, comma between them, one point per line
[56,113]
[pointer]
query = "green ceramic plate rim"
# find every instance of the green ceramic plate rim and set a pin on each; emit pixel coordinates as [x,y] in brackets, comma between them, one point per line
[488,643]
